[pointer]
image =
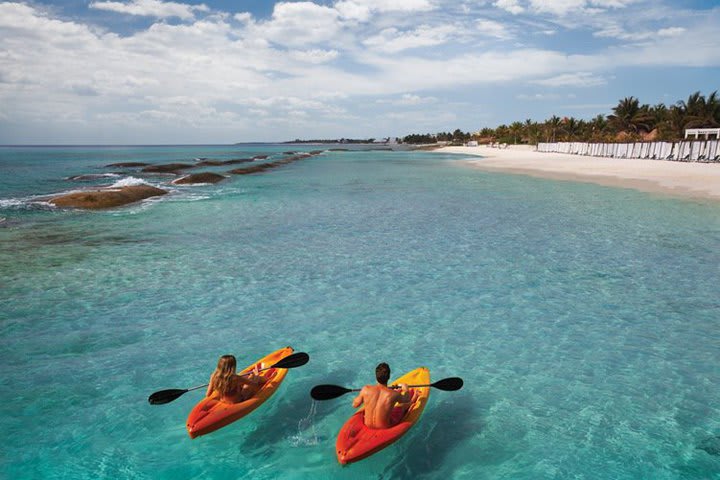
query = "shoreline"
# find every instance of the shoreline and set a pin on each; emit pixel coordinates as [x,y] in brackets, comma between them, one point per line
[680,179]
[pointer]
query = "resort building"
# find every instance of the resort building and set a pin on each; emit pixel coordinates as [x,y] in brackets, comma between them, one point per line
[708,132]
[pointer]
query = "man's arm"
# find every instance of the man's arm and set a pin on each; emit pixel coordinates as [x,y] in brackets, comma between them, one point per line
[359,399]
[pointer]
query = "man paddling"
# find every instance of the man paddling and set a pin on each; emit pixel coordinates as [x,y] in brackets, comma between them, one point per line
[380,400]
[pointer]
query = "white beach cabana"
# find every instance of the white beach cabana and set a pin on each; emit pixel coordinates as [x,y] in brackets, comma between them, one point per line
[707,132]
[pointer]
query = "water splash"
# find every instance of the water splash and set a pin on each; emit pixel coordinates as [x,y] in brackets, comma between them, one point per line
[128,182]
[306,436]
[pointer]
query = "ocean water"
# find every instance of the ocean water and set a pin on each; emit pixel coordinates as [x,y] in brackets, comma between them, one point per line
[585,320]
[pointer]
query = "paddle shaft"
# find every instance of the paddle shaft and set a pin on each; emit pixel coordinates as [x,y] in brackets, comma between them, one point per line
[328,392]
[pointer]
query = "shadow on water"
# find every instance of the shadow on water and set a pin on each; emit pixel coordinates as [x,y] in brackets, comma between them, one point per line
[438,433]
[295,410]
[711,445]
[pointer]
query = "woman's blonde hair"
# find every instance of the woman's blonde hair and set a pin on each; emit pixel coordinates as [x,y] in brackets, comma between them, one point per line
[223,377]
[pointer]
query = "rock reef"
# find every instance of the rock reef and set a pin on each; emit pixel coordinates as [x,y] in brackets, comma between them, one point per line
[238,160]
[127,164]
[269,165]
[107,198]
[209,163]
[201,177]
[167,168]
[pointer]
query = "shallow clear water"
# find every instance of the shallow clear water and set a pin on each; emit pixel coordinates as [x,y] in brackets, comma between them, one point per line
[583,319]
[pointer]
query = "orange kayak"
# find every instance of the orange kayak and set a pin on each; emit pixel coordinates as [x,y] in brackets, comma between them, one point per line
[211,414]
[356,441]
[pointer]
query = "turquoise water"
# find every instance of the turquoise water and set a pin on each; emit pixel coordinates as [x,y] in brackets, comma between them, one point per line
[583,319]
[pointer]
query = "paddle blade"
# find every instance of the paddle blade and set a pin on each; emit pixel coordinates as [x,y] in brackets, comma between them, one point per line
[449,384]
[165,396]
[291,361]
[328,392]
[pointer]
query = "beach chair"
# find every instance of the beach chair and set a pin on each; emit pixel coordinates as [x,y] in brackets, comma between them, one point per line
[652,149]
[668,153]
[713,154]
[694,151]
[684,154]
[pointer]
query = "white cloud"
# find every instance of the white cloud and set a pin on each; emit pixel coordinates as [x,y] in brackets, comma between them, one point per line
[561,7]
[409,99]
[386,5]
[580,79]
[315,56]
[671,32]
[616,31]
[492,28]
[243,17]
[152,8]
[300,23]
[353,11]
[391,40]
[557,7]
[512,6]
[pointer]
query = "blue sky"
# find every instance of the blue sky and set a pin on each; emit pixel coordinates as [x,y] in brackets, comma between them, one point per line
[153,71]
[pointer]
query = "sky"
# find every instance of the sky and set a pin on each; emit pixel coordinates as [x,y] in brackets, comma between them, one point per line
[226,71]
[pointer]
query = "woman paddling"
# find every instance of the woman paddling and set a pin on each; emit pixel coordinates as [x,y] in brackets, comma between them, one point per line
[230,387]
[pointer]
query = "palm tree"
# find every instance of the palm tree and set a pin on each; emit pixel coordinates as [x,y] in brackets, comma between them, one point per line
[699,112]
[598,125]
[516,129]
[628,116]
[552,125]
[571,127]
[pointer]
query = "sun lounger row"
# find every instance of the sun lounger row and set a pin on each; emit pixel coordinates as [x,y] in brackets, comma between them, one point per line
[697,151]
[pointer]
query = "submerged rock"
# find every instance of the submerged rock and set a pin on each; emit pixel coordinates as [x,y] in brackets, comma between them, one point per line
[107,198]
[253,169]
[167,168]
[269,165]
[209,163]
[238,160]
[202,177]
[127,164]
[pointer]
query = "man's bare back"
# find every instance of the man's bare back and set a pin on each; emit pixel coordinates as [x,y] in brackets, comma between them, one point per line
[379,401]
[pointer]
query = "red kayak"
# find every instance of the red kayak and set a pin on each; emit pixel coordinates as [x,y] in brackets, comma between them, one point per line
[356,441]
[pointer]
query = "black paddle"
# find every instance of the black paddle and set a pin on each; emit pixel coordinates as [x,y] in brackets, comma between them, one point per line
[328,392]
[166,396]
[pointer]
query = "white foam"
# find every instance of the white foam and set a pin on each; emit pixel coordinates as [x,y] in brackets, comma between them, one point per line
[306,436]
[128,182]
[27,202]
[11,202]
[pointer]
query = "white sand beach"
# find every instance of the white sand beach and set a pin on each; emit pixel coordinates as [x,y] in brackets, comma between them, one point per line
[695,180]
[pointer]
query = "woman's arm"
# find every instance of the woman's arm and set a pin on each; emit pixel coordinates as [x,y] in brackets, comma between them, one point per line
[211,387]
[405,395]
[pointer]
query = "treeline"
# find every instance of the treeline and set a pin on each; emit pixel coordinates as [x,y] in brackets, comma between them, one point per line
[629,122]
[335,140]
